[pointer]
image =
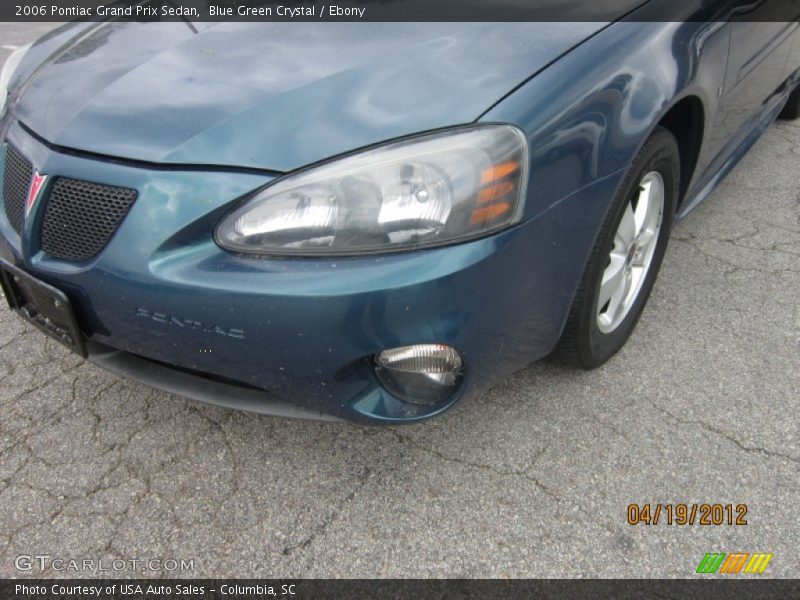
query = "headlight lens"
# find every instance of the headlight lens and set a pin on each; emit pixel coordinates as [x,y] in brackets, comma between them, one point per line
[11,64]
[425,191]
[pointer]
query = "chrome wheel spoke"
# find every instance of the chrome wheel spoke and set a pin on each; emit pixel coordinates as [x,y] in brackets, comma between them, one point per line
[646,238]
[627,227]
[613,279]
[626,290]
[643,207]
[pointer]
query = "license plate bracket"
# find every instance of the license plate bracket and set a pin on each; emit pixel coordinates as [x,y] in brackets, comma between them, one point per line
[45,307]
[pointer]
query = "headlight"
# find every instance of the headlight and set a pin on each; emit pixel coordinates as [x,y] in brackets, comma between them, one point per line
[425,191]
[11,64]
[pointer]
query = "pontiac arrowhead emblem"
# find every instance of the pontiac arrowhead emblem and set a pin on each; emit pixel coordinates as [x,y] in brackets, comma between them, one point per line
[36,186]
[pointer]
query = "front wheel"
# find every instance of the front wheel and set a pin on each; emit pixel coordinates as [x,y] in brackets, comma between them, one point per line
[626,257]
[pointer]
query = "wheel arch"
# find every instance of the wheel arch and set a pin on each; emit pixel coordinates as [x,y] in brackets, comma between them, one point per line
[686,120]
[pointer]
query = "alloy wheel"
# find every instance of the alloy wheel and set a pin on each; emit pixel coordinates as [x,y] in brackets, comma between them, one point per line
[632,253]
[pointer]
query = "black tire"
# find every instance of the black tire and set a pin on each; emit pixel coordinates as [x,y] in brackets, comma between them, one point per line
[582,344]
[792,109]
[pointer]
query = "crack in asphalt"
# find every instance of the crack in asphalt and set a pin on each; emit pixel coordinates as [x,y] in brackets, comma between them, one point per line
[486,467]
[734,267]
[331,519]
[715,430]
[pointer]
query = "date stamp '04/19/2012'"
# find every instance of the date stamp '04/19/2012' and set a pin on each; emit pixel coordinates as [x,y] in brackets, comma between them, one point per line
[687,514]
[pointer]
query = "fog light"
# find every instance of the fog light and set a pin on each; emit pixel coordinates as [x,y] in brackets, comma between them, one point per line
[420,374]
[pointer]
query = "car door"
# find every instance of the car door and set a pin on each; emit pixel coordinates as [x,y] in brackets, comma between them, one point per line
[757,61]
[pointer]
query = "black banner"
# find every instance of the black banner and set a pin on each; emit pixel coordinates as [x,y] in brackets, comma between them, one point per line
[252,589]
[398,10]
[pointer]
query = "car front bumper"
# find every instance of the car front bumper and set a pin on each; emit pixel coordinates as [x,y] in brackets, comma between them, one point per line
[297,337]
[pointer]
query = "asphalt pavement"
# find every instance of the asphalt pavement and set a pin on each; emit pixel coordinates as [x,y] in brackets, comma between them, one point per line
[533,479]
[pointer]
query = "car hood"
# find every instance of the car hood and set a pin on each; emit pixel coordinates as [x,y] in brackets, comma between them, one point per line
[271,95]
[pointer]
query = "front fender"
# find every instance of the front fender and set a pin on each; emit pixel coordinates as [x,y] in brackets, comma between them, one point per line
[587,115]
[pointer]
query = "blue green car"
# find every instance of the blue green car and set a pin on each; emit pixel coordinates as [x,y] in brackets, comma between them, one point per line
[366,221]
